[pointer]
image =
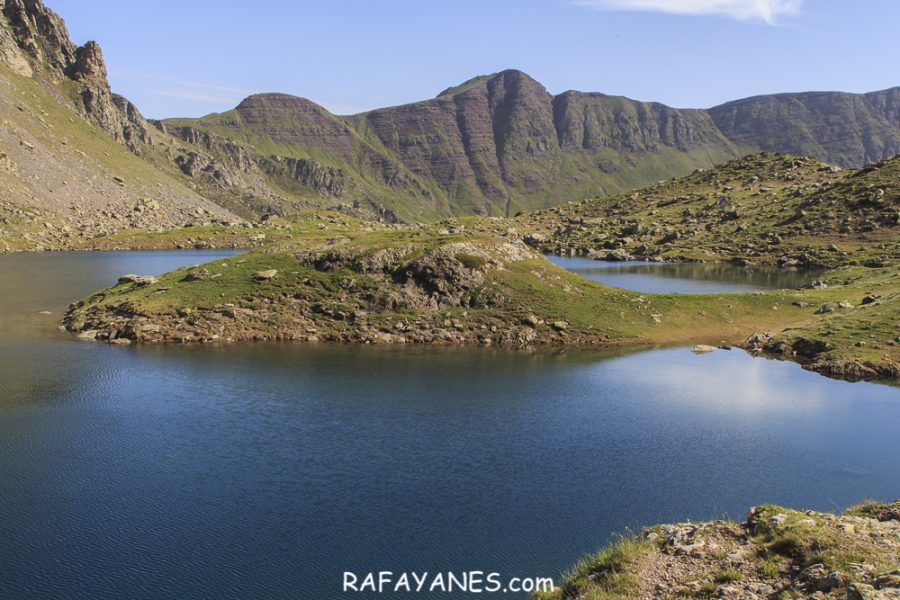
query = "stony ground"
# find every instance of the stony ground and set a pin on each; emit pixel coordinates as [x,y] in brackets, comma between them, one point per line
[777,553]
[762,209]
[767,209]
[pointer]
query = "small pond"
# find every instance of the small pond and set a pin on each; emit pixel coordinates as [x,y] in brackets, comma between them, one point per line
[685,278]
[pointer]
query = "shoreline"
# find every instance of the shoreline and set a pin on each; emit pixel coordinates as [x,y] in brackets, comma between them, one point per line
[775,552]
[475,287]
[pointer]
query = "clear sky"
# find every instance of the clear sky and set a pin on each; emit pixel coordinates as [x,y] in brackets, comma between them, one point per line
[193,57]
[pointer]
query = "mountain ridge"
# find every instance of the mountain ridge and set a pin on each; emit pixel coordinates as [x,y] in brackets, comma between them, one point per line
[493,145]
[503,140]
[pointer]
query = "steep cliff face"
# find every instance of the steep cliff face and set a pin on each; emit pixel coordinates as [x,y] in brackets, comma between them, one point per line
[501,143]
[494,145]
[504,136]
[34,37]
[63,176]
[35,43]
[594,121]
[846,129]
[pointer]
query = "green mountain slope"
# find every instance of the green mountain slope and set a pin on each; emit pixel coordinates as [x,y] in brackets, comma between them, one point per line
[500,144]
[495,145]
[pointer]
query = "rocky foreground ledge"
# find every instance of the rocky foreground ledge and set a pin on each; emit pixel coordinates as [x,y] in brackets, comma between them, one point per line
[777,553]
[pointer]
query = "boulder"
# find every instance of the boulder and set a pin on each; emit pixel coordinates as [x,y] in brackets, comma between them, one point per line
[534,239]
[888,580]
[776,520]
[760,339]
[702,348]
[828,307]
[196,275]
[265,275]
[138,280]
[617,255]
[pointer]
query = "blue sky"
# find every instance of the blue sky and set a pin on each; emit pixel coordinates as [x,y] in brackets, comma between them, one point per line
[189,58]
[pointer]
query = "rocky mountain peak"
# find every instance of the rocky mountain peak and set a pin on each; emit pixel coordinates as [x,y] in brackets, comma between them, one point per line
[283,105]
[510,75]
[89,65]
[504,78]
[34,42]
[34,37]
[38,36]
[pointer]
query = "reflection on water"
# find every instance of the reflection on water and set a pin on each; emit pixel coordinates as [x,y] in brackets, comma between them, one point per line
[685,278]
[266,470]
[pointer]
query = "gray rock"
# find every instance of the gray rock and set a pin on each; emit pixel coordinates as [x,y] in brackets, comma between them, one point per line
[196,275]
[861,591]
[534,239]
[265,275]
[617,255]
[138,280]
[760,339]
[828,307]
[888,580]
[776,520]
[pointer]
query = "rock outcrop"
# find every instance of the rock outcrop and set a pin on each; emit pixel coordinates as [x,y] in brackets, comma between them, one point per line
[34,38]
[76,160]
[776,553]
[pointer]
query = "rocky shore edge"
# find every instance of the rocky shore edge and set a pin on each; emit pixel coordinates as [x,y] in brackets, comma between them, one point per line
[812,356]
[484,290]
[776,553]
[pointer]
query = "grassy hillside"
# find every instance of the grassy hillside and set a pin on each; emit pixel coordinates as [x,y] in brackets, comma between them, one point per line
[766,209]
[473,280]
[762,209]
[64,180]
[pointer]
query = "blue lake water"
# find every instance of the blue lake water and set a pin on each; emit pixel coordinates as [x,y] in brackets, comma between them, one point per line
[265,471]
[685,278]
